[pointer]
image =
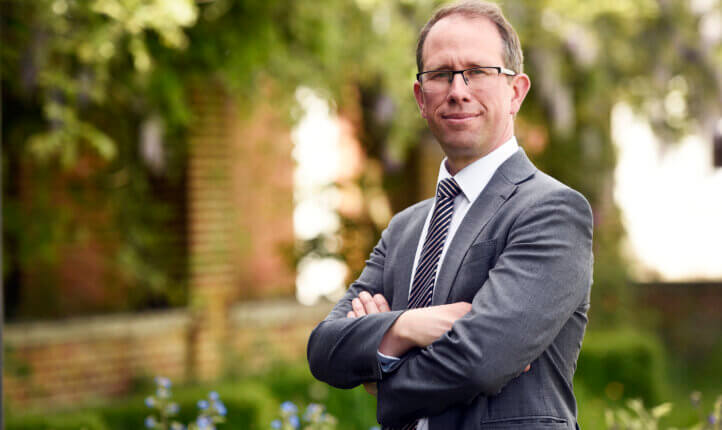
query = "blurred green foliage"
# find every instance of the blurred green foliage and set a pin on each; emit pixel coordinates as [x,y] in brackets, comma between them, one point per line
[81,79]
[252,403]
[253,398]
[637,416]
[623,364]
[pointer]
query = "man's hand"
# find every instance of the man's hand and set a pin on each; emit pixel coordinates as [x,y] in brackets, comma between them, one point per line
[364,304]
[415,327]
[420,327]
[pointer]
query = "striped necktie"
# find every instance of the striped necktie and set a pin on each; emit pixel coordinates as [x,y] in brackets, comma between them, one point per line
[422,288]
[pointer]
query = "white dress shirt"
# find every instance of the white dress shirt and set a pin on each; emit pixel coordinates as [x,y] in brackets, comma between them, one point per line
[472,180]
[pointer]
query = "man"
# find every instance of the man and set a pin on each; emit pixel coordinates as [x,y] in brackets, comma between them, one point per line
[471,309]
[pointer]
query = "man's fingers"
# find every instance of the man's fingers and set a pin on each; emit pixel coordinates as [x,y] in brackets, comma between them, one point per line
[368,302]
[351,314]
[381,303]
[358,307]
[527,368]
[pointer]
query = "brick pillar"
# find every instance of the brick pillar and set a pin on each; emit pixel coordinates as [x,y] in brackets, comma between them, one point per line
[210,215]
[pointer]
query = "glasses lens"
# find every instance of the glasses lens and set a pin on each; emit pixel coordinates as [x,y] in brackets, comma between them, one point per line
[475,77]
[435,81]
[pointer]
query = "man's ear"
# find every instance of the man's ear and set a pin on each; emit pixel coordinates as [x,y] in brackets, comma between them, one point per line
[520,85]
[419,95]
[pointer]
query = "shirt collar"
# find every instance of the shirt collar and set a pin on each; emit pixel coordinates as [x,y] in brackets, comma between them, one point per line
[473,178]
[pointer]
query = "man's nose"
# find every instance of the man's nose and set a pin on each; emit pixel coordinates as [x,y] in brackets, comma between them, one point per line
[458,90]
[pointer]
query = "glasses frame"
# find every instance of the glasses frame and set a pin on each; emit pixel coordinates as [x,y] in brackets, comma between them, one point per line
[499,70]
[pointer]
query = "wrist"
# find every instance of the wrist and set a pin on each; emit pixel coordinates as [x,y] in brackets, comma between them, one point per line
[403,330]
[397,341]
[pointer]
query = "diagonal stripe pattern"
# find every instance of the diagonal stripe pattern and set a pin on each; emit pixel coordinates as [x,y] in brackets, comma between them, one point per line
[423,286]
[422,289]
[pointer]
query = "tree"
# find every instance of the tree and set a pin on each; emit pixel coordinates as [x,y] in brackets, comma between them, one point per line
[84,77]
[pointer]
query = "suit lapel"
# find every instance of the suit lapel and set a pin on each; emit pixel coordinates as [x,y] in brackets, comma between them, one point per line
[410,241]
[499,189]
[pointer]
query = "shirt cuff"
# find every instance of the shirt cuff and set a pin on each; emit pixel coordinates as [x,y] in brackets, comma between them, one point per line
[388,363]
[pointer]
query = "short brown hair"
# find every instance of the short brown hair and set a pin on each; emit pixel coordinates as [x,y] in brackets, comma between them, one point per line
[513,55]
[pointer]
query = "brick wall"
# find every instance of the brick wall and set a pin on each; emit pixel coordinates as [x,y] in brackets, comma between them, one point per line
[67,363]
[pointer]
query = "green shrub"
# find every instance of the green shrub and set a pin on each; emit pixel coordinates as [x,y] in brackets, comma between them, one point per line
[355,409]
[250,406]
[87,420]
[252,403]
[623,364]
[590,408]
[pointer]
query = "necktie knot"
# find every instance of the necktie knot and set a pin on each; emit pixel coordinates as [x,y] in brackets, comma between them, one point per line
[448,188]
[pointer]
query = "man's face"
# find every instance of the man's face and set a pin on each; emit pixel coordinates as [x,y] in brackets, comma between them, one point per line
[469,123]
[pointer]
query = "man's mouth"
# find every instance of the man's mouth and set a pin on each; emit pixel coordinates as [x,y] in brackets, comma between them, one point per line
[459,117]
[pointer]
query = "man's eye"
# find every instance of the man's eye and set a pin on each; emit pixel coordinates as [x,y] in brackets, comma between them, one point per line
[439,76]
[477,72]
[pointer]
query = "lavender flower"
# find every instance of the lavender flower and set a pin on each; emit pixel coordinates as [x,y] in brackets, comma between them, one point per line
[162,381]
[294,421]
[220,408]
[289,407]
[150,422]
[204,423]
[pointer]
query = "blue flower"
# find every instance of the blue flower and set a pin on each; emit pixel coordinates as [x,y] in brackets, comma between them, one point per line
[203,423]
[162,381]
[294,421]
[213,395]
[276,424]
[712,419]
[220,408]
[289,407]
[150,422]
[172,408]
[202,404]
[150,401]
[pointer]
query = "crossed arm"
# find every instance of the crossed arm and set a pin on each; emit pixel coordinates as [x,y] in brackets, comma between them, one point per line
[415,328]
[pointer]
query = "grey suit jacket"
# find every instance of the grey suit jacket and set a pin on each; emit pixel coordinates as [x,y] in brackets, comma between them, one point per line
[523,257]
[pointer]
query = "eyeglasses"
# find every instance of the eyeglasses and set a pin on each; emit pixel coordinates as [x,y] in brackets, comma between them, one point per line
[440,80]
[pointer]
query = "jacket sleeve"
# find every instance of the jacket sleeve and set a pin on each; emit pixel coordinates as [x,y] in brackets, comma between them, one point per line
[342,351]
[540,278]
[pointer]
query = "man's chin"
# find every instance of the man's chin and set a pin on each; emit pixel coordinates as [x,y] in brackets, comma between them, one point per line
[460,147]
